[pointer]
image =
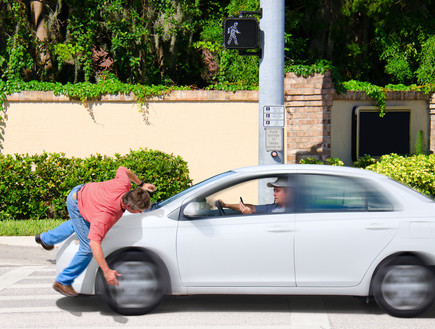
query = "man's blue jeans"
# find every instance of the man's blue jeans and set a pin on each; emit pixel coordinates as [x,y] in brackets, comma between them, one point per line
[81,227]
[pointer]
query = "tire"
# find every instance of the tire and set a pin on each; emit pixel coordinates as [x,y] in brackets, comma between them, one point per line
[403,287]
[142,285]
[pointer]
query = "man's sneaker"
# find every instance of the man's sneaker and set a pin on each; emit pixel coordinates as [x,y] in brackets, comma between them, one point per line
[64,289]
[45,246]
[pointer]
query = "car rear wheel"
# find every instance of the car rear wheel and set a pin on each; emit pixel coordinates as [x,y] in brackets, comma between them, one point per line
[142,284]
[404,287]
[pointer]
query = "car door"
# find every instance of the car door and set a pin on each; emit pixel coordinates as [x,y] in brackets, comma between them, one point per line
[235,250]
[344,225]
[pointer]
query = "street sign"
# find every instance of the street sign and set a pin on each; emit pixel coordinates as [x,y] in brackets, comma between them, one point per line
[241,33]
[274,139]
[273,116]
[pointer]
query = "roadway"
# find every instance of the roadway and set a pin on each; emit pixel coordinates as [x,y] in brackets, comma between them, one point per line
[28,301]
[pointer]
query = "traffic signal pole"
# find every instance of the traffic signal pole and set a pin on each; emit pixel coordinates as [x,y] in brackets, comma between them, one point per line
[271,90]
[242,33]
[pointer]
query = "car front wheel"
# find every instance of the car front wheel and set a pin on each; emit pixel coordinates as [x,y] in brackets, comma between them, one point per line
[404,287]
[142,284]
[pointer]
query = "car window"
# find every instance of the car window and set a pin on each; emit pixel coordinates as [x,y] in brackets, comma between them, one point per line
[193,188]
[230,197]
[328,193]
[376,201]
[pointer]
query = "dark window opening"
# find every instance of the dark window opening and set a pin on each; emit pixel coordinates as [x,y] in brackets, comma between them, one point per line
[376,136]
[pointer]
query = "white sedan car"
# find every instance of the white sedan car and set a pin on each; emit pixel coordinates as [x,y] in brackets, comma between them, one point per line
[340,231]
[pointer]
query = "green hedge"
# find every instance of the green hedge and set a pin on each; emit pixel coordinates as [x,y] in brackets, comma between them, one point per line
[36,186]
[416,171]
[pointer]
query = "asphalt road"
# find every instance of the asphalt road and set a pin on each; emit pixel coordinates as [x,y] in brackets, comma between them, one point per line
[28,301]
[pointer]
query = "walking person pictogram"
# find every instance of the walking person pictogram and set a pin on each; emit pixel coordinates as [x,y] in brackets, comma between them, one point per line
[232,31]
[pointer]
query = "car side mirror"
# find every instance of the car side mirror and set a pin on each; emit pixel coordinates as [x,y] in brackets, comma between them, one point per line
[193,209]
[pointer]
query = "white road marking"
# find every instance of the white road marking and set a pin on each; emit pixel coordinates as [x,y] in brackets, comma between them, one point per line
[31,297]
[21,274]
[41,277]
[5,310]
[32,285]
[11,277]
[16,279]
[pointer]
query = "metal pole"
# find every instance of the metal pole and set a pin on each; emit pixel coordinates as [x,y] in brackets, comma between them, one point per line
[271,89]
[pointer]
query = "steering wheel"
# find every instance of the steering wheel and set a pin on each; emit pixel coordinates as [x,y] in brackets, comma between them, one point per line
[220,209]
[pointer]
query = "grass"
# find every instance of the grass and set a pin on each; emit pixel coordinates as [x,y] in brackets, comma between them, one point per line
[27,227]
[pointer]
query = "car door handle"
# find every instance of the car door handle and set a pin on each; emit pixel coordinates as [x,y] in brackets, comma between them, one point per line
[378,227]
[279,228]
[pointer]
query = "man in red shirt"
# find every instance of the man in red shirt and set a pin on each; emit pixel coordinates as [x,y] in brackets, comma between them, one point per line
[94,208]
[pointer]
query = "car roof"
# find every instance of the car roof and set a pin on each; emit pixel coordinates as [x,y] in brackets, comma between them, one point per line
[309,168]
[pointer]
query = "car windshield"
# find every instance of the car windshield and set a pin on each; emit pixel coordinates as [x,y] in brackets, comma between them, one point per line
[192,188]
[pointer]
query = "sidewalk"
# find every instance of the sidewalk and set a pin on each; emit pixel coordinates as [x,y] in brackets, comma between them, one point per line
[23,241]
[23,251]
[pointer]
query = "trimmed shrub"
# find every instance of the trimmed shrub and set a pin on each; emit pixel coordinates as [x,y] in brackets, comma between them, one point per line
[416,171]
[329,161]
[364,162]
[36,186]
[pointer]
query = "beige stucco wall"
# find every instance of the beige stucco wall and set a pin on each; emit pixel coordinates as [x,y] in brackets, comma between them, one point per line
[341,129]
[213,131]
[212,137]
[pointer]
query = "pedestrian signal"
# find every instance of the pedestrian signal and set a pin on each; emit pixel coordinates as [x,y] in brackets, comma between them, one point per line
[241,33]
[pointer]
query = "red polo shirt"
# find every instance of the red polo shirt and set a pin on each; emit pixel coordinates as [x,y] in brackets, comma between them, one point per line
[100,203]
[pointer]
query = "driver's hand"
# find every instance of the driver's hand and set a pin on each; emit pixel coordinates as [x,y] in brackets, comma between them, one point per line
[223,204]
[244,209]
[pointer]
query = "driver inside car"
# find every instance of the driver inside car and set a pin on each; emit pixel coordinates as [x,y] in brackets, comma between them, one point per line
[281,194]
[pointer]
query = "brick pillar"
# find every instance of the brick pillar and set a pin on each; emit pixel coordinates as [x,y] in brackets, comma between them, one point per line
[431,109]
[308,101]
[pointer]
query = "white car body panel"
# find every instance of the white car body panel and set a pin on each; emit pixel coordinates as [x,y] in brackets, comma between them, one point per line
[320,258]
[236,252]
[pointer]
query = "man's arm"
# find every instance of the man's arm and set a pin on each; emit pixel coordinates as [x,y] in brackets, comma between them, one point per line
[243,208]
[133,178]
[109,275]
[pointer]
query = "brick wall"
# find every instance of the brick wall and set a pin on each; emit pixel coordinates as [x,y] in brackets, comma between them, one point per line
[308,104]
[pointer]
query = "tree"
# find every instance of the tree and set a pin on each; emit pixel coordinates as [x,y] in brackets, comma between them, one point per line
[179,42]
[377,40]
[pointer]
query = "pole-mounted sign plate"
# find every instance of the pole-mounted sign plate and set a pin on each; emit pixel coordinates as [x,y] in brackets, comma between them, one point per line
[274,139]
[273,116]
[241,33]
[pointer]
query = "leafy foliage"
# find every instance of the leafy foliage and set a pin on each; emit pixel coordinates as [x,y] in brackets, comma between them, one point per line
[376,92]
[416,171]
[227,70]
[306,70]
[426,71]
[380,93]
[36,186]
[107,84]
[364,161]
[377,41]
[179,42]
[329,161]
[420,145]
[149,41]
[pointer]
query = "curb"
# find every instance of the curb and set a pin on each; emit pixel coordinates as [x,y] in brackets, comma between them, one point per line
[22,241]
